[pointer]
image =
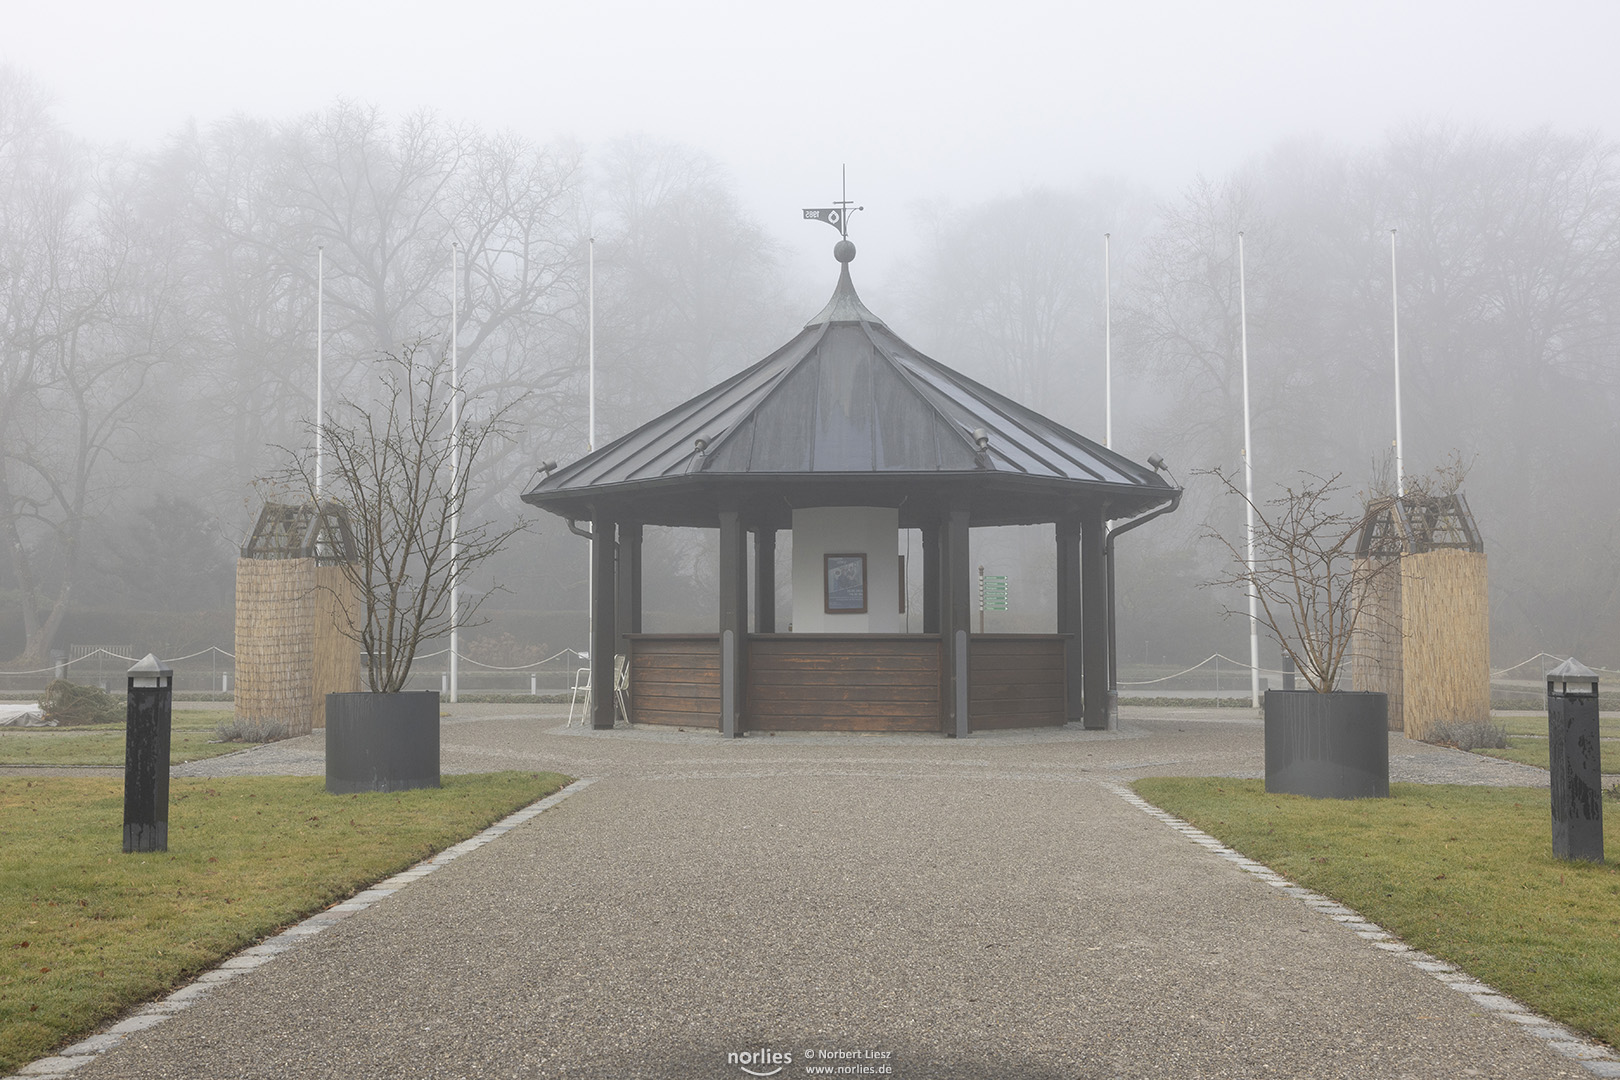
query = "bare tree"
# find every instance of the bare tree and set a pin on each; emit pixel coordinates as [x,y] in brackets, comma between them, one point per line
[246,354]
[400,469]
[688,290]
[1011,292]
[1310,585]
[77,342]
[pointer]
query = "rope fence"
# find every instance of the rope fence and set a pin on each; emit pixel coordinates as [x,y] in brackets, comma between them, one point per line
[1218,666]
[212,670]
[1217,671]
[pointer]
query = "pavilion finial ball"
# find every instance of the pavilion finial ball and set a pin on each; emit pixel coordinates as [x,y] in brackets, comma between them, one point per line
[844,251]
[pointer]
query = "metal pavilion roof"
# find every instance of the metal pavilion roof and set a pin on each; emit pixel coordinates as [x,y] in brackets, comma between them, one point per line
[847,413]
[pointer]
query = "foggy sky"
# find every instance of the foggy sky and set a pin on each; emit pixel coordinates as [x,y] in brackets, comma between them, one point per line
[947,101]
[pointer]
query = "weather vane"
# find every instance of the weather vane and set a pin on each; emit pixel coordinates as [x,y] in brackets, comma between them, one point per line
[836,215]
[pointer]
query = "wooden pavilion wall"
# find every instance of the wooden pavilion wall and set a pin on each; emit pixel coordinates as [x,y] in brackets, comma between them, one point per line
[1016,681]
[843,682]
[848,682]
[675,679]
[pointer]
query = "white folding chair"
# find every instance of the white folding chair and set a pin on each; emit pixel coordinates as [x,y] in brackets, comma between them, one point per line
[582,686]
[621,685]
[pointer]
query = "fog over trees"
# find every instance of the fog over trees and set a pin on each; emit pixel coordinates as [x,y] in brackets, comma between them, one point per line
[158,338]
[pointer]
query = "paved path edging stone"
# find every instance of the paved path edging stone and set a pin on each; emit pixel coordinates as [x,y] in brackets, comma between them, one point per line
[1596,1057]
[148,1016]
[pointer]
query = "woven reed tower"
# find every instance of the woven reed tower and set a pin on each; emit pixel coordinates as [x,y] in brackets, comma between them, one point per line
[291,592]
[1424,633]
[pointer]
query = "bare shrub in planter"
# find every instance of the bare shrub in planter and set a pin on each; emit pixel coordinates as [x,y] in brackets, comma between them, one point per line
[1311,588]
[401,464]
[1305,574]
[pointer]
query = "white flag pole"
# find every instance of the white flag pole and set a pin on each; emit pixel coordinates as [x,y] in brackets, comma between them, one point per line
[455,477]
[590,316]
[320,380]
[1248,488]
[590,439]
[1395,320]
[1108,350]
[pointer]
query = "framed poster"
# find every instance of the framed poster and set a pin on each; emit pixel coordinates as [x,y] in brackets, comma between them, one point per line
[845,584]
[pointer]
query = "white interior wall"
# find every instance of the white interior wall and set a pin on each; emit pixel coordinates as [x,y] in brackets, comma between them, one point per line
[873,531]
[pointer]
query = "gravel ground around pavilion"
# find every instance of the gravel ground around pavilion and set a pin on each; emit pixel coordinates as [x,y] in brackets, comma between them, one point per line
[1150,742]
[944,909]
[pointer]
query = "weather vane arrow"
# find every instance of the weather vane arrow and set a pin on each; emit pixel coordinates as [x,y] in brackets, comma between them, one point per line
[836,215]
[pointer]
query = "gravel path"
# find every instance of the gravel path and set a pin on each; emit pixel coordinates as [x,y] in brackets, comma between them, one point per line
[970,909]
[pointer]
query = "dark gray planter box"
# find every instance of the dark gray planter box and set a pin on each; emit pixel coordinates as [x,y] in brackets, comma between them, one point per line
[382,742]
[1328,746]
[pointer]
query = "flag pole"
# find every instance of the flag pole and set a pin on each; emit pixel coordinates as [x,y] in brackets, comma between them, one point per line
[455,477]
[1395,322]
[1248,488]
[1108,350]
[590,442]
[320,381]
[590,316]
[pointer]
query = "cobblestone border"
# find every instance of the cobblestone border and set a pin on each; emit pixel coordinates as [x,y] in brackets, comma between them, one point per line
[148,1016]
[1598,1059]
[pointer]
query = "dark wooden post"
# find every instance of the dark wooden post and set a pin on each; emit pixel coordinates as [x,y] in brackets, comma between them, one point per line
[604,606]
[1574,752]
[930,579]
[1094,617]
[733,621]
[1113,636]
[956,621]
[627,616]
[1069,617]
[146,756]
[764,580]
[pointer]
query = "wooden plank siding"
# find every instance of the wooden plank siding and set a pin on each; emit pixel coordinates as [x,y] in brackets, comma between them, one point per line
[675,679]
[847,682]
[843,682]
[1015,681]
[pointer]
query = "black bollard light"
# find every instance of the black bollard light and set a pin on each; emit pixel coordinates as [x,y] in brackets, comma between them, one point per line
[146,756]
[1575,762]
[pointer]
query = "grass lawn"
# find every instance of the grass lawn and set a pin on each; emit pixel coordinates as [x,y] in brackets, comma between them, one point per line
[90,931]
[1464,873]
[1527,741]
[191,735]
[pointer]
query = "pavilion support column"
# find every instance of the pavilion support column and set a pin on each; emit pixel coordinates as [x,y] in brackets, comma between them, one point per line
[764,580]
[1094,617]
[733,621]
[604,606]
[930,579]
[1070,618]
[955,622]
[627,617]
